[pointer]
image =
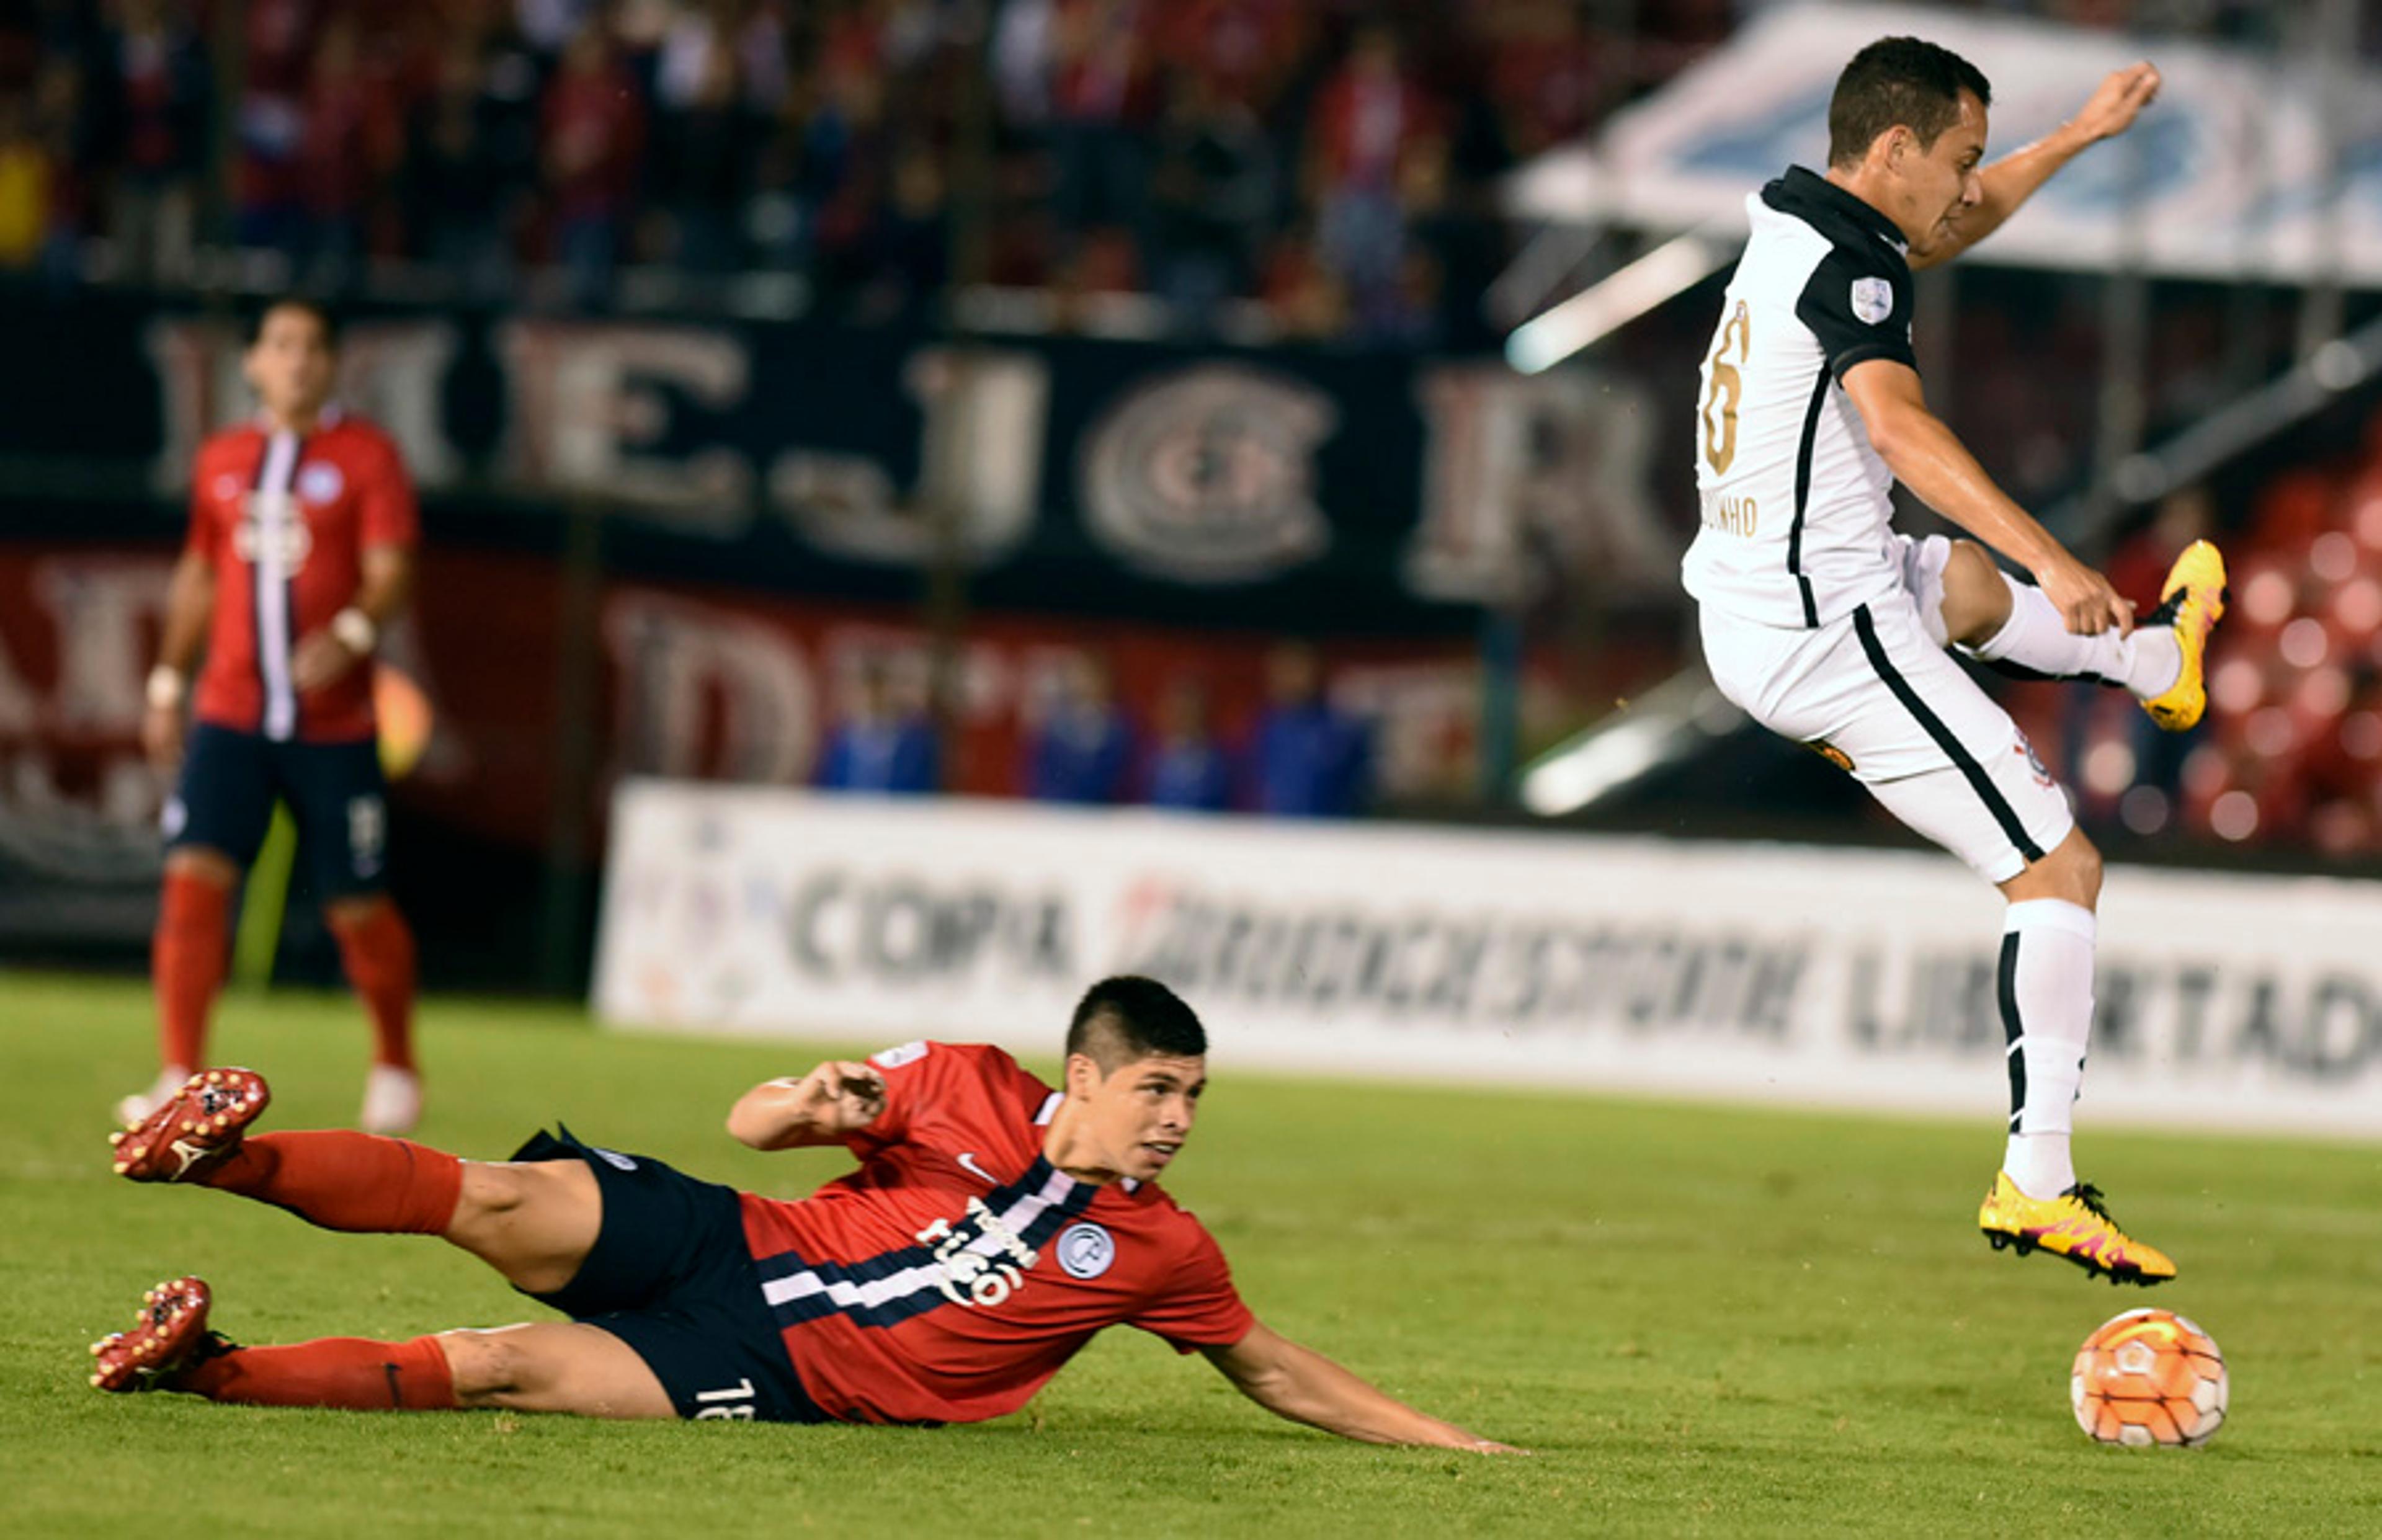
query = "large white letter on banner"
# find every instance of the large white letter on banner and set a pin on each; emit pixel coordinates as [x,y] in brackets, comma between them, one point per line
[580,398]
[980,462]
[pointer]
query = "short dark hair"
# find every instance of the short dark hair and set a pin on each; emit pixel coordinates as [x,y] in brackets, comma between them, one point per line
[1122,1019]
[1903,81]
[253,332]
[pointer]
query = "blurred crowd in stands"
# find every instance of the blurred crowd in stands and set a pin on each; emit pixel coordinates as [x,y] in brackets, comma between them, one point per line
[1306,153]
[1331,163]
[1303,756]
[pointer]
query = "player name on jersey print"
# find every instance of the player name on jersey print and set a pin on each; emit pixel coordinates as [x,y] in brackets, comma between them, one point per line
[977,1260]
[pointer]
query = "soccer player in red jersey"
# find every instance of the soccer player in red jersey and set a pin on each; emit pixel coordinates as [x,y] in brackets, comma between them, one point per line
[300,549]
[994,1226]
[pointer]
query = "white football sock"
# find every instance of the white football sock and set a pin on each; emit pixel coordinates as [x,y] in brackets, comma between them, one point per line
[2047,1002]
[2036,638]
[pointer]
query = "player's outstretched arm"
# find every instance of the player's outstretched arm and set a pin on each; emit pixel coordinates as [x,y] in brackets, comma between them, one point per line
[1926,457]
[833,1101]
[1304,1385]
[2011,180]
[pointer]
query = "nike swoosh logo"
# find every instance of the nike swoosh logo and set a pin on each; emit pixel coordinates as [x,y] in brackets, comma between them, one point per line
[967,1159]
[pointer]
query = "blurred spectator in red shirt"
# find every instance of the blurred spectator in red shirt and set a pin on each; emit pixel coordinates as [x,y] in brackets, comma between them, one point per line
[594,144]
[348,149]
[471,139]
[153,111]
[1370,130]
[1545,75]
[842,156]
[270,184]
[1303,297]
[702,137]
[1246,51]
[1213,188]
[1101,98]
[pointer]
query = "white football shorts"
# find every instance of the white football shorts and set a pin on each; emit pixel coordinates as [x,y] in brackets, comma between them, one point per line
[1878,696]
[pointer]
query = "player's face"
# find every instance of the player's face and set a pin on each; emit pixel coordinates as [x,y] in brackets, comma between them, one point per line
[1941,183]
[290,365]
[1140,1115]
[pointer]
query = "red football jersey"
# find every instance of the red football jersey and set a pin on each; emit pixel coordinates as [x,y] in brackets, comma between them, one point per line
[285,520]
[957,1270]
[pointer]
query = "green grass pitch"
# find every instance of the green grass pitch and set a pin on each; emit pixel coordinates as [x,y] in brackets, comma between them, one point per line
[1704,1321]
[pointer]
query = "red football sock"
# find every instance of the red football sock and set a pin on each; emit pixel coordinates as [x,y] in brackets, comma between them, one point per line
[347,1372]
[186,958]
[377,949]
[358,1182]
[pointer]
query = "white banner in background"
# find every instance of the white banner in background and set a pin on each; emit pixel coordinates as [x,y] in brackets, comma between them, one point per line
[2230,158]
[1857,978]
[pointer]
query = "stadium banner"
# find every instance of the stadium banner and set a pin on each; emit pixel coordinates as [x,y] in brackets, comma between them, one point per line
[687,680]
[1760,971]
[1392,490]
[2230,160]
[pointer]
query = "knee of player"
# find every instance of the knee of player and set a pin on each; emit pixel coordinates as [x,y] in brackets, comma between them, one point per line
[2080,862]
[2088,867]
[489,1189]
[204,865]
[483,1363]
[1976,601]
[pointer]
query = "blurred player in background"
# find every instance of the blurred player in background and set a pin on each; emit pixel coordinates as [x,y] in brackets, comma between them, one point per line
[995,1226]
[300,550]
[1831,630]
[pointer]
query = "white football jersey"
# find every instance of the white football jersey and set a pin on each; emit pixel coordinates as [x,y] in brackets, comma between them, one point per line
[1795,506]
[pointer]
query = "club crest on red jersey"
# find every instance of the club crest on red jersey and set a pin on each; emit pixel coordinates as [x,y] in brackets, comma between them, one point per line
[321,483]
[1085,1249]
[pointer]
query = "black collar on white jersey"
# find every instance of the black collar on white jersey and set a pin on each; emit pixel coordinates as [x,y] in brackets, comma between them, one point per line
[1843,217]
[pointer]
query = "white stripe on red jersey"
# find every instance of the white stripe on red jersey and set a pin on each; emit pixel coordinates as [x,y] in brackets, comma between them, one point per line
[274,519]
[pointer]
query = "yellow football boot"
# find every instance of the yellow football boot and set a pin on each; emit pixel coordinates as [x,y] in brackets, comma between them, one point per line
[2189,604]
[2073,1224]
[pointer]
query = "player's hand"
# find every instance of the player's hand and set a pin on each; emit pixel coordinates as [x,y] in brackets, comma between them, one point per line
[319,659]
[1490,1446]
[838,1097]
[2083,597]
[2115,104]
[161,737]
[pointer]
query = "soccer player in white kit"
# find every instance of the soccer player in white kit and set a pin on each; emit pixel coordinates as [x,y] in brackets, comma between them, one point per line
[1831,630]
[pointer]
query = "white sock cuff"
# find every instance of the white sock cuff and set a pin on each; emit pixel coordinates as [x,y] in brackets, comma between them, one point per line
[2021,596]
[2050,915]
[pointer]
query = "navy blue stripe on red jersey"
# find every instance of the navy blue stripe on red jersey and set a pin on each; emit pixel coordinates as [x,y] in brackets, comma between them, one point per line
[977,1257]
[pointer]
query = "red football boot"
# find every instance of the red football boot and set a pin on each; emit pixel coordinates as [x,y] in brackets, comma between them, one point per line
[170,1335]
[196,1126]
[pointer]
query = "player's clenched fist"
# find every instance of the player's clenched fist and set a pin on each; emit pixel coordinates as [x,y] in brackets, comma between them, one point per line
[2083,597]
[839,1099]
[821,1107]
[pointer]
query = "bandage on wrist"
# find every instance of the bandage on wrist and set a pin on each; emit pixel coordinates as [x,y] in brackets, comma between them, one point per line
[164,686]
[355,630]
